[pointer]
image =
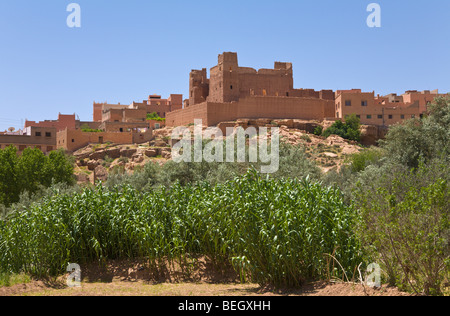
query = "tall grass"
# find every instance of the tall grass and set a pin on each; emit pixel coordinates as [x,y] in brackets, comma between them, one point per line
[273,231]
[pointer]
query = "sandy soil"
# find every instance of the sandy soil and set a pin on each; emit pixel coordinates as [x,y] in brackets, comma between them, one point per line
[133,279]
[140,288]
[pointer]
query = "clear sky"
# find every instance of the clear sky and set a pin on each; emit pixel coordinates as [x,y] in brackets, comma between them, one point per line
[126,50]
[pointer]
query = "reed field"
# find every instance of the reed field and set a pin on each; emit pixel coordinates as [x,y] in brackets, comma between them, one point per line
[275,232]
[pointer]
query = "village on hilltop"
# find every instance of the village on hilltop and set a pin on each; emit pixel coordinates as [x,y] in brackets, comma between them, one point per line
[231,93]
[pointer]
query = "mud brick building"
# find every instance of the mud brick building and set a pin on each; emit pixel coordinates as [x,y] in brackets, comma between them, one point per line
[137,111]
[383,111]
[234,92]
[43,138]
[64,121]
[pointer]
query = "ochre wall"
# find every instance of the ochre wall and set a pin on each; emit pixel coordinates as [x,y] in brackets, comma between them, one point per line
[374,113]
[253,108]
[72,140]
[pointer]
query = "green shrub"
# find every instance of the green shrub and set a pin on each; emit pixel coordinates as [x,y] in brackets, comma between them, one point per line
[349,130]
[155,117]
[416,139]
[30,171]
[306,138]
[91,130]
[318,131]
[360,161]
[405,226]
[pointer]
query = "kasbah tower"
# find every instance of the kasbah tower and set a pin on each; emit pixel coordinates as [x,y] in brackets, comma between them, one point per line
[233,92]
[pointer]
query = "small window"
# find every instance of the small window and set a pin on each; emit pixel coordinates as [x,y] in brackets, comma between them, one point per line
[363,103]
[73,140]
[369,117]
[402,116]
[358,116]
[121,130]
[380,117]
[157,126]
[231,87]
[348,103]
[38,134]
[49,148]
[391,117]
[48,134]
[287,94]
[413,116]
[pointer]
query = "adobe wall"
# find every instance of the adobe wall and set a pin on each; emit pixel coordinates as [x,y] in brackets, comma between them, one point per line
[97,117]
[283,108]
[253,108]
[63,122]
[188,115]
[198,86]
[134,115]
[120,127]
[33,139]
[374,113]
[113,115]
[72,140]
[422,98]
[91,125]
[153,124]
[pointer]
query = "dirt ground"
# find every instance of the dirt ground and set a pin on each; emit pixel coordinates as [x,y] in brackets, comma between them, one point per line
[134,279]
[140,288]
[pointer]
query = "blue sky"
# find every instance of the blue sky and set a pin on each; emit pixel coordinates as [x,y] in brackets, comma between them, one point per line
[126,50]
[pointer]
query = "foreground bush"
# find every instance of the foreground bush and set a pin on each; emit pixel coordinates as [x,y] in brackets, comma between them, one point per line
[405,226]
[273,231]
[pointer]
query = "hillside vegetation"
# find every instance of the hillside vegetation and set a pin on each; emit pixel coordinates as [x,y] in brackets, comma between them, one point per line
[386,205]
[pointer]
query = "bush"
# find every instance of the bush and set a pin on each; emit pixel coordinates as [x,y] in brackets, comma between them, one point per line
[405,225]
[416,139]
[360,161]
[30,171]
[306,138]
[155,117]
[318,131]
[349,130]
[292,163]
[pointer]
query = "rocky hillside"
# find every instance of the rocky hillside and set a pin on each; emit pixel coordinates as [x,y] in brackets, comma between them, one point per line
[95,162]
